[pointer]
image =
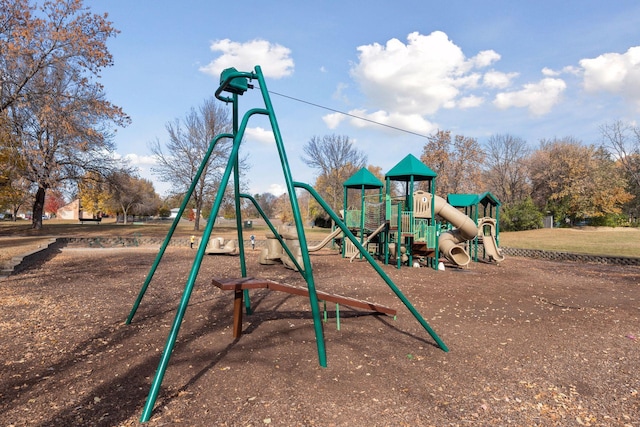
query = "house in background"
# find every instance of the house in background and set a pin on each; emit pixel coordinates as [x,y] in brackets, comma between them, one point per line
[174,213]
[73,211]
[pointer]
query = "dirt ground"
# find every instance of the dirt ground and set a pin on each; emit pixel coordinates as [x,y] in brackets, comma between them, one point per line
[532,343]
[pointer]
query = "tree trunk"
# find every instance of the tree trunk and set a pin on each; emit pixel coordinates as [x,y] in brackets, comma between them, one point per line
[38,208]
[197,199]
[124,213]
[196,220]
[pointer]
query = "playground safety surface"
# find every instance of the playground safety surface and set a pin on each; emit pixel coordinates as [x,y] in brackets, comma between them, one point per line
[531,343]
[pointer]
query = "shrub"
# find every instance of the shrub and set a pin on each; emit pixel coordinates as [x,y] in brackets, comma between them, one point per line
[610,220]
[523,215]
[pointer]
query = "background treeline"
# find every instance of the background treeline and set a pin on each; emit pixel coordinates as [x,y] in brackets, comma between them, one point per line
[575,183]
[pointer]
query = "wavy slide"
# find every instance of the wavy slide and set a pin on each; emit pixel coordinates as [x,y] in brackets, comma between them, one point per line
[449,241]
[491,249]
[326,240]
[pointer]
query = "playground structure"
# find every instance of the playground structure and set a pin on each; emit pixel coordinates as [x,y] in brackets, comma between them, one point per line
[217,245]
[484,209]
[233,84]
[487,236]
[274,251]
[401,228]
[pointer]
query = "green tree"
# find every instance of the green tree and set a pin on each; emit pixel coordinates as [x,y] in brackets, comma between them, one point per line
[521,215]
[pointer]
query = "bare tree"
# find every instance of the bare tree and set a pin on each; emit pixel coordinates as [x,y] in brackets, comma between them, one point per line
[623,141]
[267,203]
[35,40]
[336,159]
[186,148]
[506,171]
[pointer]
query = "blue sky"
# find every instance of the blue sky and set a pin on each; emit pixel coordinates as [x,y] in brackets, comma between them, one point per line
[535,70]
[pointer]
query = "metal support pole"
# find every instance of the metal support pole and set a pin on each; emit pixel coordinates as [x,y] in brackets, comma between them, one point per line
[167,239]
[182,308]
[375,265]
[313,297]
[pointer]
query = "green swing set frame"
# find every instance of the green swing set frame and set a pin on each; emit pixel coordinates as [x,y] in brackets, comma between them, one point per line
[234,83]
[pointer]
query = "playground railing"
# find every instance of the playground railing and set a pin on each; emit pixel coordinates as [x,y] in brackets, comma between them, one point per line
[352,218]
[406,224]
[392,215]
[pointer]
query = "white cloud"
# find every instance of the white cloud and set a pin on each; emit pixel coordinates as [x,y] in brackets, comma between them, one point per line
[614,73]
[143,165]
[333,120]
[470,101]
[138,160]
[569,69]
[485,58]
[420,77]
[498,79]
[261,135]
[339,93]
[277,189]
[274,59]
[539,97]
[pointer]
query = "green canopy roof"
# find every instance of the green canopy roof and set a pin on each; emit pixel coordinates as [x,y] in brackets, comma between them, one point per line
[409,167]
[363,179]
[488,198]
[462,200]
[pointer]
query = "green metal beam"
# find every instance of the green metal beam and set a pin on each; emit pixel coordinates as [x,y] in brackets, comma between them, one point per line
[374,264]
[186,295]
[236,83]
[176,220]
[306,260]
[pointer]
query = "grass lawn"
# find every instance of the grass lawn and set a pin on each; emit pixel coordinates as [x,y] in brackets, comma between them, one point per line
[621,241]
